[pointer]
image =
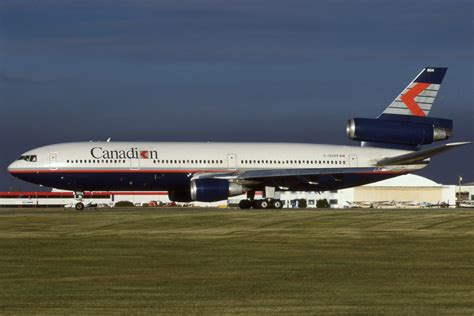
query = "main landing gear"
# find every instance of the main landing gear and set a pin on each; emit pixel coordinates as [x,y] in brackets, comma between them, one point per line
[268,200]
[261,204]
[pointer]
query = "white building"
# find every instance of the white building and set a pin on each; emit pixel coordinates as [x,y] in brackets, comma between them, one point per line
[407,190]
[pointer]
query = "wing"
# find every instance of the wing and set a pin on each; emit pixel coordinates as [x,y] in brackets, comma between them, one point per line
[418,156]
[294,179]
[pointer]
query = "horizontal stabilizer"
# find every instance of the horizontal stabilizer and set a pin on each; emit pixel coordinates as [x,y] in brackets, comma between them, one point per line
[418,156]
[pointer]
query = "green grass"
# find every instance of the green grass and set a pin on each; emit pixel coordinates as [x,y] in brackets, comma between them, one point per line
[178,261]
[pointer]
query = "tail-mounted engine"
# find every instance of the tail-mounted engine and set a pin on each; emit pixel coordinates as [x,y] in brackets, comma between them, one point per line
[400,129]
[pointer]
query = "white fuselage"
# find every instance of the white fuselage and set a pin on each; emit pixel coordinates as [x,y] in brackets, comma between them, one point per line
[201,156]
[96,165]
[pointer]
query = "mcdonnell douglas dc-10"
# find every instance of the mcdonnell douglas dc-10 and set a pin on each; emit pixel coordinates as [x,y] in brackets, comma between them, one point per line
[390,145]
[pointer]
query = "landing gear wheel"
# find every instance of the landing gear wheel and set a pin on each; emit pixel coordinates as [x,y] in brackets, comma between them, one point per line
[79,206]
[263,204]
[278,204]
[245,204]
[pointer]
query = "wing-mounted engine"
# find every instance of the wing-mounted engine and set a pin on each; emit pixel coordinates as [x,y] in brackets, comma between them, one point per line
[208,190]
[400,129]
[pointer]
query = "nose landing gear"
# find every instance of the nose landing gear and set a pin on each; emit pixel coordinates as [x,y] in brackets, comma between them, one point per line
[79,206]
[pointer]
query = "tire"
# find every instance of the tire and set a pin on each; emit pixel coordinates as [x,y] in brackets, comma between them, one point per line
[245,204]
[263,204]
[278,204]
[302,203]
[79,206]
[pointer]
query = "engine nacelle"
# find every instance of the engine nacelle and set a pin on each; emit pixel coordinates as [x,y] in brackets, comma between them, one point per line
[211,190]
[401,131]
[207,190]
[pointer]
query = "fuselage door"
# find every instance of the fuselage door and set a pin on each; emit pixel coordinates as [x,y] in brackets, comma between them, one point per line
[231,161]
[53,161]
[134,164]
[353,161]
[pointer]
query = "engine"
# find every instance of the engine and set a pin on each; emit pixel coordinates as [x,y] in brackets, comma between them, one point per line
[399,129]
[207,190]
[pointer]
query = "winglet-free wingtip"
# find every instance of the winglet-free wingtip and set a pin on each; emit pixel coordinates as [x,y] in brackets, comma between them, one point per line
[458,144]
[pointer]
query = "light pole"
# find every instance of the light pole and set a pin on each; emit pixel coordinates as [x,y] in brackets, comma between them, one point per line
[459,190]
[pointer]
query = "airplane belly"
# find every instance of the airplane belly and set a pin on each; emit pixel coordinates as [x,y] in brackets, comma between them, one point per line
[109,181]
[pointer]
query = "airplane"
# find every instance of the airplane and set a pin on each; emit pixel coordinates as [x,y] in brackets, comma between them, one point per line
[389,145]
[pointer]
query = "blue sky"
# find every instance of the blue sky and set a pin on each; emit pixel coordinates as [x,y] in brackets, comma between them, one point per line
[225,71]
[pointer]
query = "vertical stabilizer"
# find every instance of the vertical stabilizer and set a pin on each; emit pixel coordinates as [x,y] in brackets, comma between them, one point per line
[418,97]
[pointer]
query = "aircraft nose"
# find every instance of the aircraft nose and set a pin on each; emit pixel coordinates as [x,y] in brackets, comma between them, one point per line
[11,167]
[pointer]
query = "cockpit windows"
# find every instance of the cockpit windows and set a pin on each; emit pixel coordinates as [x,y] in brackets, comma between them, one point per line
[30,158]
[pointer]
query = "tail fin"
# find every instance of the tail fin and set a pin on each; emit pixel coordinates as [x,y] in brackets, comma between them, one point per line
[417,99]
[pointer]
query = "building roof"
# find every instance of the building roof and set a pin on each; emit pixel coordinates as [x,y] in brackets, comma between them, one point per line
[407,180]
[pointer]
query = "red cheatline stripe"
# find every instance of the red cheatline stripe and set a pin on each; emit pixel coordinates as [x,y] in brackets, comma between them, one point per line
[167,171]
[113,171]
[409,98]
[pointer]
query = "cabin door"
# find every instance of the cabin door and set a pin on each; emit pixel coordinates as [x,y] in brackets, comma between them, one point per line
[353,161]
[134,164]
[53,161]
[231,161]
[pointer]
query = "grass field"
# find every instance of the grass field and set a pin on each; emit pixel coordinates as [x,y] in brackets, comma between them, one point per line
[180,261]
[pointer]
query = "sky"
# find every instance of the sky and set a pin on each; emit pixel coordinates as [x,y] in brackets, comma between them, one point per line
[191,70]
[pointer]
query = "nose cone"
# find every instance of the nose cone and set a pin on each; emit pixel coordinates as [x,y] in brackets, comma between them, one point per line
[11,168]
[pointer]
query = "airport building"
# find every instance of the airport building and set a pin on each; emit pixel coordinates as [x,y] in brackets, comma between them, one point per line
[403,191]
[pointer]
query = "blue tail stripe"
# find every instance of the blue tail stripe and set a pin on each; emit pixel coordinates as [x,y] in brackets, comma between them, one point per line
[432,75]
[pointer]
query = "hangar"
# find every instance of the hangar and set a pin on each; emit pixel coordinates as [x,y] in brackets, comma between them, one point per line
[407,190]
